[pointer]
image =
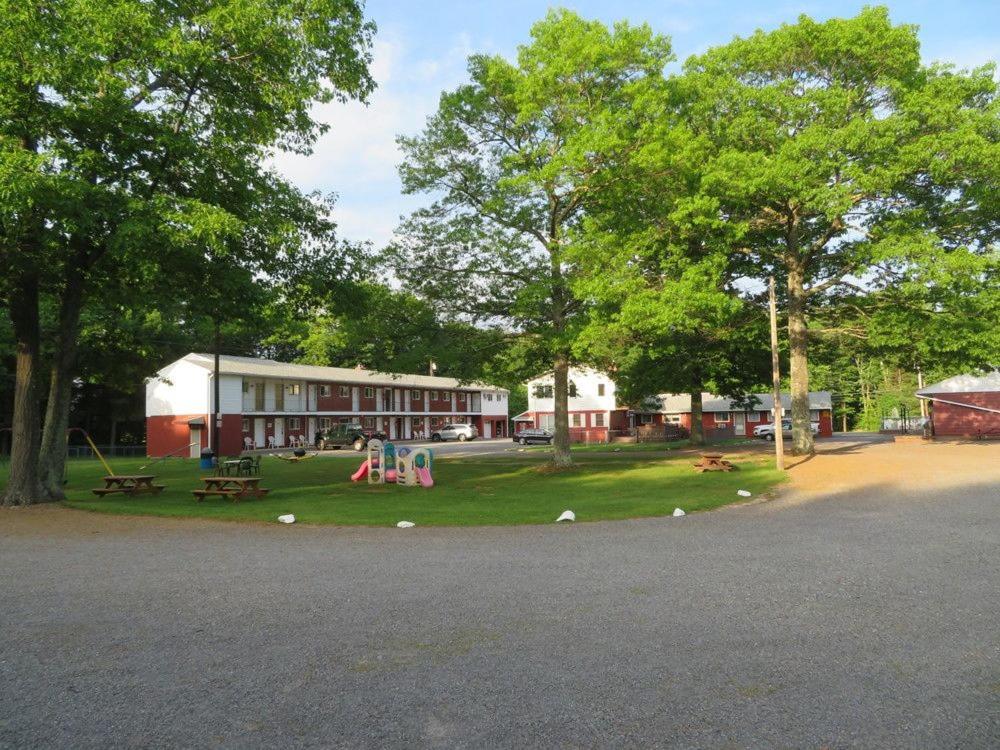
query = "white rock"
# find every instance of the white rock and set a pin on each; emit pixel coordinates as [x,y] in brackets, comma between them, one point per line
[405,525]
[567,515]
[743,493]
[679,512]
[288,518]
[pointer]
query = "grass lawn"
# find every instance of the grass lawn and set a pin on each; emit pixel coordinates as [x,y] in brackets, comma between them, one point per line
[652,447]
[502,490]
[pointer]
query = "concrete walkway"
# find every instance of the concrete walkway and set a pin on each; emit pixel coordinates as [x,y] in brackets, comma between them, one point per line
[860,609]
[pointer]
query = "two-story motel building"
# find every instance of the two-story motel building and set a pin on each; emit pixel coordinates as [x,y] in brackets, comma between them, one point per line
[263,403]
[596,414]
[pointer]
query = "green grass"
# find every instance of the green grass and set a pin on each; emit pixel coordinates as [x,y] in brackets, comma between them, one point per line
[502,490]
[652,447]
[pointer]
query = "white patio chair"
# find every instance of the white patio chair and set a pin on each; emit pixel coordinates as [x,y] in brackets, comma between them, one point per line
[270,442]
[248,444]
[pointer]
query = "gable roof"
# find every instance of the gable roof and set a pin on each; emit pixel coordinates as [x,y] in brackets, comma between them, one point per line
[268,368]
[988,383]
[675,403]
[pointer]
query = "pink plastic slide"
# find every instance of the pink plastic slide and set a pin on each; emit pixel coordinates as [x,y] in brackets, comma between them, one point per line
[361,473]
[424,476]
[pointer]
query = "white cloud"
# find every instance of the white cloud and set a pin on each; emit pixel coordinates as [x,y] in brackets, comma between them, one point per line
[358,156]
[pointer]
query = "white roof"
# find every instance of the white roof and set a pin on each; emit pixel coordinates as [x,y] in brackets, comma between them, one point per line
[268,368]
[677,403]
[990,382]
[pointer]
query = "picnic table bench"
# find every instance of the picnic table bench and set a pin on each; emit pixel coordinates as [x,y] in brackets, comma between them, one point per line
[129,484]
[237,488]
[712,462]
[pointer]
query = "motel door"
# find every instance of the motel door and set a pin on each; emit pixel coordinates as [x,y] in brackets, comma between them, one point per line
[279,431]
[740,423]
[259,435]
[195,446]
[487,428]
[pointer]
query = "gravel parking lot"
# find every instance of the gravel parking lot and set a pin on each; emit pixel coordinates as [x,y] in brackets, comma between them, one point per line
[860,609]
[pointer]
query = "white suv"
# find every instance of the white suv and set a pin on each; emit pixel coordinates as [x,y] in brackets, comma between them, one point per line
[460,432]
[766,431]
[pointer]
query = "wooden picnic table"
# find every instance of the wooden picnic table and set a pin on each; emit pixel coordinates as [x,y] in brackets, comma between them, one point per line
[237,488]
[129,484]
[712,462]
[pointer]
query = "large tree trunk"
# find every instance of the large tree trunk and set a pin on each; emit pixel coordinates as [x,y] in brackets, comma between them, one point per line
[23,485]
[697,424]
[52,457]
[802,437]
[560,441]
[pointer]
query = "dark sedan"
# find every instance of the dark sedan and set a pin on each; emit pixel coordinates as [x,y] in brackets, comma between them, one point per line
[533,435]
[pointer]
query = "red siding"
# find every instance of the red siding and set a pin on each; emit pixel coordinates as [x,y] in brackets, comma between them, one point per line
[949,419]
[442,404]
[171,435]
[333,402]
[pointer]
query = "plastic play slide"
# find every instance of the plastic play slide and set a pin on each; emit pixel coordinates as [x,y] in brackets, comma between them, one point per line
[361,473]
[424,476]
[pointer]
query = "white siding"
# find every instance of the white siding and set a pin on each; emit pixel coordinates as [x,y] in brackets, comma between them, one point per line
[495,406]
[179,388]
[230,394]
[588,384]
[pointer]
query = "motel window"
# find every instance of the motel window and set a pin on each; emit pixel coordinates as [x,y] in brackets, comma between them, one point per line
[572,389]
[324,423]
[345,391]
[543,391]
[600,389]
[672,419]
[293,390]
[434,395]
[576,420]
[645,418]
[324,390]
[344,420]
[488,396]
[294,423]
[599,419]
[461,397]
[752,416]
[814,415]
[246,425]
[721,417]
[369,422]
[369,392]
[414,395]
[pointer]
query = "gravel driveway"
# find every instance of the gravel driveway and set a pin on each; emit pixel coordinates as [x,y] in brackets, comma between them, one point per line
[862,608]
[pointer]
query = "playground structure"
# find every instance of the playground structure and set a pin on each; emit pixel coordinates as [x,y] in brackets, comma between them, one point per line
[410,467]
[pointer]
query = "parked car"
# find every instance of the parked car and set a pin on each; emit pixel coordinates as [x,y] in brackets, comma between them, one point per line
[342,435]
[766,431]
[533,435]
[460,432]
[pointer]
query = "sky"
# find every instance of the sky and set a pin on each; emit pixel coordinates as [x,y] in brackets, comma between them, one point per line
[421,49]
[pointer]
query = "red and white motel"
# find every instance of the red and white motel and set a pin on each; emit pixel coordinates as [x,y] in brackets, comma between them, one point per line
[595,413]
[264,403]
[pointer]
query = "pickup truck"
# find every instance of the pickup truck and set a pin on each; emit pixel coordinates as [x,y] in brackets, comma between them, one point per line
[766,431]
[343,435]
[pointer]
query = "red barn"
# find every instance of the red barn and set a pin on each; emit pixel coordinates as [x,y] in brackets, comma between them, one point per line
[965,405]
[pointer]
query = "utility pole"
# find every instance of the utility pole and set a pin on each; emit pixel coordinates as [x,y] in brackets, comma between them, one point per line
[920,387]
[216,416]
[779,438]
